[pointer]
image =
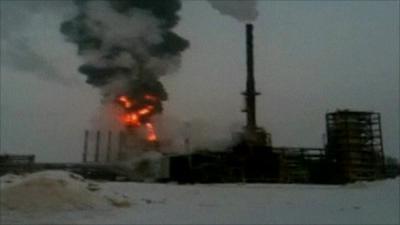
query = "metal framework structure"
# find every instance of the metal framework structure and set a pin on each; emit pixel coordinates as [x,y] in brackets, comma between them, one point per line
[300,164]
[354,144]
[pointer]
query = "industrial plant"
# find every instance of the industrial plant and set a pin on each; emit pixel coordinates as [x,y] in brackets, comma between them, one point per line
[353,151]
[353,148]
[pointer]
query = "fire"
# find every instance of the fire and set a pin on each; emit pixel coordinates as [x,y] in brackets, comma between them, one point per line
[151,134]
[137,116]
[150,98]
[146,110]
[125,101]
[132,119]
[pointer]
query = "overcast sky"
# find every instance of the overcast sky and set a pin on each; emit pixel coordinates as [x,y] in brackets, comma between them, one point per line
[311,57]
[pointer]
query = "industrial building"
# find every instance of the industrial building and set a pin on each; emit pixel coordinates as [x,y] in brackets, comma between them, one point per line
[355,144]
[353,151]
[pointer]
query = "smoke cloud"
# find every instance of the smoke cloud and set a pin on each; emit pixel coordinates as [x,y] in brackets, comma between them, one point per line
[26,52]
[242,10]
[127,45]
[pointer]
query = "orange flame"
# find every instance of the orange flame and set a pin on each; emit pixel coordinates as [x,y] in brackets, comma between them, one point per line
[132,119]
[125,101]
[151,135]
[146,110]
[150,97]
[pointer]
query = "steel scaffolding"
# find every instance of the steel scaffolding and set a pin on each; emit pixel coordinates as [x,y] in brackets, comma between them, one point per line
[355,145]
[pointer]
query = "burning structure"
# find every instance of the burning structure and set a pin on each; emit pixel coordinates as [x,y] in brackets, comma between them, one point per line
[353,150]
[125,62]
[127,46]
[126,66]
[137,116]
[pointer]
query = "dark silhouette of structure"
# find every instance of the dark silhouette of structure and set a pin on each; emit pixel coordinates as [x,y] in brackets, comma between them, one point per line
[252,135]
[353,152]
[355,144]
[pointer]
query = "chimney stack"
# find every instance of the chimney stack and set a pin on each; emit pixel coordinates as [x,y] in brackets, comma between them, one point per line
[250,93]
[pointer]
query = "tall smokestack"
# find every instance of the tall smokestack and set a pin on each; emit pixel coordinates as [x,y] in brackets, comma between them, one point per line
[250,93]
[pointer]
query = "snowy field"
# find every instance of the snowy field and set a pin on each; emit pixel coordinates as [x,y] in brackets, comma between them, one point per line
[59,197]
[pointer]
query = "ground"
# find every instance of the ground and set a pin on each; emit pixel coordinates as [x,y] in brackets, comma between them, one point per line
[151,203]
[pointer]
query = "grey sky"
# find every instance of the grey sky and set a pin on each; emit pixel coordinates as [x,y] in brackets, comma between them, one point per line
[310,57]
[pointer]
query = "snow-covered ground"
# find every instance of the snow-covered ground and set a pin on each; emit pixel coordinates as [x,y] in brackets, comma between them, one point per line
[60,197]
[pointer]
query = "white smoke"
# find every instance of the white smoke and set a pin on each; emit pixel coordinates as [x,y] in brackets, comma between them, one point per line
[30,42]
[242,10]
[123,30]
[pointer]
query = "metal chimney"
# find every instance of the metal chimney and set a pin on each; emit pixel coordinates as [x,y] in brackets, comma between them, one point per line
[250,93]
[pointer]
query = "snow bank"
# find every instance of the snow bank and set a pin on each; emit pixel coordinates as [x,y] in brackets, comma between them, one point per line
[66,199]
[48,191]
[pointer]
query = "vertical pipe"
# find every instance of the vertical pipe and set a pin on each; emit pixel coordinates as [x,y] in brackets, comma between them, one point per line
[187,136]
[382,158]
[109,147]
[187,143]
[96,156]
[120,145]
[85,146]
[328,148]
[250,85]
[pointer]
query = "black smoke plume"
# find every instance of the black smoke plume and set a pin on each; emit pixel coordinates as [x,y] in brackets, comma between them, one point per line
[127,45]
